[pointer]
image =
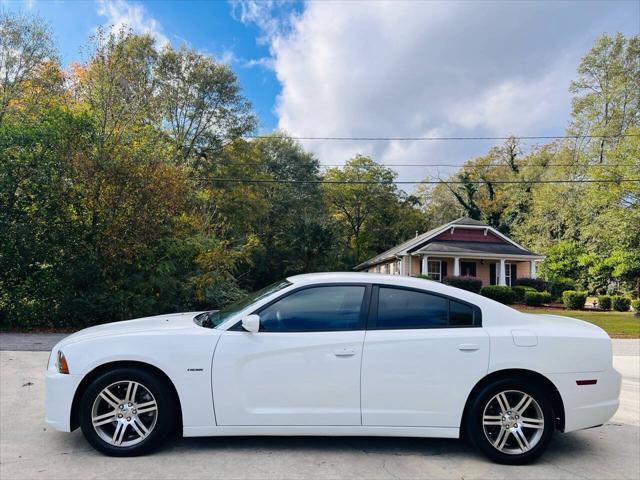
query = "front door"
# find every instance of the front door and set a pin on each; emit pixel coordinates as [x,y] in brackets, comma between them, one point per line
[468,269]
[423,354]
[301,368]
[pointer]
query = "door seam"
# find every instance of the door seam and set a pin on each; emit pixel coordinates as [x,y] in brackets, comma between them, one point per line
[364,339]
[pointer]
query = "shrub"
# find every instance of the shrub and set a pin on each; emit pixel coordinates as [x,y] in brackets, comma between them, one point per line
[604,302]
[620,304]
[425,277]
[499,293]
[636,307]
[521,290]
[560,285]
[535,299]
[535,283]
[471,284]
[574,300]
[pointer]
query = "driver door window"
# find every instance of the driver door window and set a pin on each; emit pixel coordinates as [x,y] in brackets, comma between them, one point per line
[316,309]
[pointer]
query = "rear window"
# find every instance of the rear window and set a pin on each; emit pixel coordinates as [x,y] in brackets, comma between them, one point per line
[400,308]
[460,314]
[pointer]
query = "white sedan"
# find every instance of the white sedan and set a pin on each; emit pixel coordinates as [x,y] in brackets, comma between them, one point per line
[337,354]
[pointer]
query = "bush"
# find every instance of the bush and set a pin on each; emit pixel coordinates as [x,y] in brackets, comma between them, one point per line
[604,302]
[620,304]
[424,277]
[521,290]
[499,293]
[535,283]
[471,284]
[560,285]
[574,300]
[635,304]
[535,299]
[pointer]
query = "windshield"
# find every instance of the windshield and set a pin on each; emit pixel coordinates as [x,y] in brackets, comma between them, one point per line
[215,317]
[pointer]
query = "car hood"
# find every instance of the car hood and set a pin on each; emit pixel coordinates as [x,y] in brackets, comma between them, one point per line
[173,321]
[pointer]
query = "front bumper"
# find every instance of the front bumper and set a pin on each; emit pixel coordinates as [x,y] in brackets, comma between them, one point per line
[588,406]
[59,392]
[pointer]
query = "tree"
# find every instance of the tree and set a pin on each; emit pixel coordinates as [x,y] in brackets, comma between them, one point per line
[607,92]
[479,192]
[371,213]
[26,48]
[614,256]
[39,236]
[200,100]
[287,217]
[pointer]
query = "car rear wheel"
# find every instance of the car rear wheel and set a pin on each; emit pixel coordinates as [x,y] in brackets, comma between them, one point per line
[511,422]
[126,412]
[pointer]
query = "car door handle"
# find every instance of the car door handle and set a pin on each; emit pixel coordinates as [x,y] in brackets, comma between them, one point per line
[345,352]
[468,347]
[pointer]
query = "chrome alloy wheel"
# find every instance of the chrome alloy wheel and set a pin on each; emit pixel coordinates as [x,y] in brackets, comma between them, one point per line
[513,422]
[124,413]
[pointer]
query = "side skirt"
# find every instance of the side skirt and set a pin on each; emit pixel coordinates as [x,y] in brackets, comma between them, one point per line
[320,431]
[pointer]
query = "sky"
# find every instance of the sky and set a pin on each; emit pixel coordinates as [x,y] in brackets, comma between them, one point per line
[377,68]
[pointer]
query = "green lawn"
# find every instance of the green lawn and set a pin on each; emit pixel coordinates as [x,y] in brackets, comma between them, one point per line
[616,324]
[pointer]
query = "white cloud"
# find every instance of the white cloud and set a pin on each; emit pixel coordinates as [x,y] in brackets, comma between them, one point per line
[261,13]
[415,68]
[121,13]
[264,62]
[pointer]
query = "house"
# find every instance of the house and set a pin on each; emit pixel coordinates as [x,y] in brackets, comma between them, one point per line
[463,247]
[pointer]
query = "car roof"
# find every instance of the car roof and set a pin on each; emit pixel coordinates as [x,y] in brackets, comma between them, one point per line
[364,277]
[398,280]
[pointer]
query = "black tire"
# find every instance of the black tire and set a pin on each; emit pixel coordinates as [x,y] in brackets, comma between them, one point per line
[165,415]
[480,438]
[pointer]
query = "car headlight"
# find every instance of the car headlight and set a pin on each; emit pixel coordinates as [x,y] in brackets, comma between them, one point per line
[61,363]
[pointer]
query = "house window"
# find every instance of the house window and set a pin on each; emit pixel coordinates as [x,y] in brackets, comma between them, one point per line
[507,273]
[434,269]
[508,270]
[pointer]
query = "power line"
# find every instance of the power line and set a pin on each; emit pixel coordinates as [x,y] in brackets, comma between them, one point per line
[425,182]
[393,165]
[419,139]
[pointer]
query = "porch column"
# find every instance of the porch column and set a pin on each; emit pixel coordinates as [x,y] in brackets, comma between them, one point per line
[410,264]
[456,266]
[424,265]
[533,269]
[402,266]
[503,273]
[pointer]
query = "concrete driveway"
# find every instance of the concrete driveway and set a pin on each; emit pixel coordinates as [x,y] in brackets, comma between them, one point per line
[29,450]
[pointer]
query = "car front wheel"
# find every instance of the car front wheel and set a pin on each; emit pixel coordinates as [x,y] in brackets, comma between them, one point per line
[126,412]
[511,422]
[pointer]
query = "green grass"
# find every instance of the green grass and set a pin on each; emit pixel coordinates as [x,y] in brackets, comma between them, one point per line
[616,324]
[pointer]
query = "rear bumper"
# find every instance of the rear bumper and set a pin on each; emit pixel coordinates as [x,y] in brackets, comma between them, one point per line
[588,406]
[59,392]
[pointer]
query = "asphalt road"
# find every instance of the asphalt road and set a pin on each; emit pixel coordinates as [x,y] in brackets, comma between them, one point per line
[30,450]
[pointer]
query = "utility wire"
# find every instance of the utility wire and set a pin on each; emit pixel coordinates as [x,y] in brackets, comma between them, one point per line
[417,139]
[426,182]
[393,165]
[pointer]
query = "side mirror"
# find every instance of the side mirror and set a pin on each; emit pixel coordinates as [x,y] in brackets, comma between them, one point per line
[251,323]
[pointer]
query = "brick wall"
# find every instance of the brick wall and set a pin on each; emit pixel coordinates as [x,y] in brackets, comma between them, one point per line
[523,269]
[483,273]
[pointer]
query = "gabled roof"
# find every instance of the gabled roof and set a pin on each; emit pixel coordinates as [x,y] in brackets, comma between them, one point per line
[468,221]
[415,243]
[475,248]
